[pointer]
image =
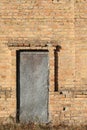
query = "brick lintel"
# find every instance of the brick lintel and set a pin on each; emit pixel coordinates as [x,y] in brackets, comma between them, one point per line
[32,43]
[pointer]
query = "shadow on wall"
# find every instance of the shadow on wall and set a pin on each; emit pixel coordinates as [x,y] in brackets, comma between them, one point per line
[56,66]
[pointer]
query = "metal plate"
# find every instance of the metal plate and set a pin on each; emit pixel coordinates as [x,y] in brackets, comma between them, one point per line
[34,86]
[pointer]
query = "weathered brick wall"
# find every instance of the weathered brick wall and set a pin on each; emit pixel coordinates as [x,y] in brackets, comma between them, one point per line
[63,21]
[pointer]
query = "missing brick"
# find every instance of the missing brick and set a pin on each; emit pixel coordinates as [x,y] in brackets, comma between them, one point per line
[64,108]
[61,92]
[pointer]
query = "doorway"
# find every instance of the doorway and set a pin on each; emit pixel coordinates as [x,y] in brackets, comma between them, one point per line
[32,86]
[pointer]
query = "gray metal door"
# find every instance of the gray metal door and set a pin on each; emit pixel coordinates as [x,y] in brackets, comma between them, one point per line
[33,86]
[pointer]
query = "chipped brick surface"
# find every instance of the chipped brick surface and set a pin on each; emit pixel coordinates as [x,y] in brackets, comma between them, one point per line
[55,25]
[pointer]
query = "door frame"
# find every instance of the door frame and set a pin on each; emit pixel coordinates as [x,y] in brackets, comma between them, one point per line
[14,50]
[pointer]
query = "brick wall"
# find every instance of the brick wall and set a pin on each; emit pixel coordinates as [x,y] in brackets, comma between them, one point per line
[63,22]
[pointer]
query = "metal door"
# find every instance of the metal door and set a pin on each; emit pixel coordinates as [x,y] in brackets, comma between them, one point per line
[33,69]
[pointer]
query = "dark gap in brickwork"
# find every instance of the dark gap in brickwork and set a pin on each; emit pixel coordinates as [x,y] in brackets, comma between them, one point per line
[56,70]
[61,92]
[56,67]
[56,0]
[64,108]
[18,85]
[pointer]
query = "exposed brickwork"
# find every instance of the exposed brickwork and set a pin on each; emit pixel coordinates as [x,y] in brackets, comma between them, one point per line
[50,24]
